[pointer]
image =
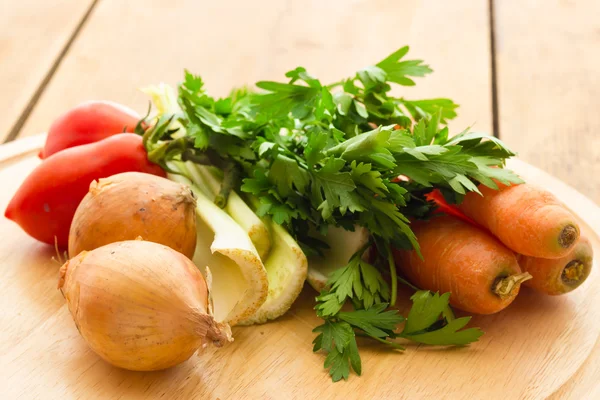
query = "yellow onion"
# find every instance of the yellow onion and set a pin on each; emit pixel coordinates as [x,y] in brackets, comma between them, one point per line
[140,305]
[132,204]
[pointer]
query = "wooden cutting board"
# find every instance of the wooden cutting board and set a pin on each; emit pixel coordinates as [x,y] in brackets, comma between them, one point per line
[539,347]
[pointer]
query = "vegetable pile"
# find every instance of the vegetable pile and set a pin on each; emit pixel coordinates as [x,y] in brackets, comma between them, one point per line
[344,185]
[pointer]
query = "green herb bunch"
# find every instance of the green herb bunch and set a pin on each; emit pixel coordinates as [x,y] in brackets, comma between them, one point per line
[317,155]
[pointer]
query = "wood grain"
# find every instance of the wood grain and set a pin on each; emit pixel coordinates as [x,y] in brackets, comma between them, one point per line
[127,45]
[530,351]
[548,53]
[32,35]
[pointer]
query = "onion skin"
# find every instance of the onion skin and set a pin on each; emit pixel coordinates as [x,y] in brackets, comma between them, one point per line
[128,205]
[140,305]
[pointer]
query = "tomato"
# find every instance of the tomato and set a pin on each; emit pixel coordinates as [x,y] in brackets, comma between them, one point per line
[88,123]
[45,203]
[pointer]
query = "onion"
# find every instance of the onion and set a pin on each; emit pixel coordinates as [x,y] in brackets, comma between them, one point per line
[140,305]
[132,204]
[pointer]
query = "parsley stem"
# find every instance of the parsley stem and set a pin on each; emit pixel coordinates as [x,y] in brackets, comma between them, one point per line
[332,85]
[393,275]
[231,176]
[407,283]
[389,343]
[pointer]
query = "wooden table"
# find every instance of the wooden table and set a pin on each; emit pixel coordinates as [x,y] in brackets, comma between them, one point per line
[526,70]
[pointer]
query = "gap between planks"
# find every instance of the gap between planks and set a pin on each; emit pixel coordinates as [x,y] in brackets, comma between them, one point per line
[16,128]
[493,72]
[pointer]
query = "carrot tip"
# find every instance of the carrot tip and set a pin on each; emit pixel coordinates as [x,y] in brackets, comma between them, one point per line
[573,273]
[505,287]
[568,236]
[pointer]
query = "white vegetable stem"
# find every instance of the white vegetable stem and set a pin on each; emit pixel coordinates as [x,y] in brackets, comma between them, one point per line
[240,284]
[286,268]
[286,264]
[236,208]
[342,246]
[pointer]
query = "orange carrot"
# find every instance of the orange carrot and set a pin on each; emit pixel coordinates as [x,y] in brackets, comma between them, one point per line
[528,220]
[561,275]
[482,275]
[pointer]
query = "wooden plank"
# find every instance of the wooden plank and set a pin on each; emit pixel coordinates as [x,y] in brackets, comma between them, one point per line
[532,348]
[231,43]
[547,88]
[33,34]
[548,53]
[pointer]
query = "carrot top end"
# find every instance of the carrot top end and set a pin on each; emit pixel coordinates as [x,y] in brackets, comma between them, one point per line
[568,236]
[505,287]
[573,273]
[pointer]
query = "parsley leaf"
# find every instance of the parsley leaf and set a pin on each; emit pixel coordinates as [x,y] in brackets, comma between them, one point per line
[358,280]
[374,321]
[288,176]
[425,313]
[399,71]
[338,339]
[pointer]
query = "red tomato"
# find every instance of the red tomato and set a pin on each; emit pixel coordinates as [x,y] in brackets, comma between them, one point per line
[45,203]
[88,123]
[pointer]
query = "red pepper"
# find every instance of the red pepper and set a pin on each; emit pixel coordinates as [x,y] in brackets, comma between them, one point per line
[45,203]
[450,209]
[88,123]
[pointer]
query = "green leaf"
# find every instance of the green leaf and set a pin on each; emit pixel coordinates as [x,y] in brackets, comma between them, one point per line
[288,176]
[374,321]
[342,101]
[283,98]
[200,136]
[224,106]
[394,57]
[192,82]
[360,109]
[422,323]
[372,76]
[398,71]
[328,304]
[400,140]
[363,174]
[333,188]
[357,280]
[337,338]
[300,74]
[354,357]
[370,146]
[426,108]
[425,310]
[316,143]
[325,106]
[481,145]
[450,334]
[258,184]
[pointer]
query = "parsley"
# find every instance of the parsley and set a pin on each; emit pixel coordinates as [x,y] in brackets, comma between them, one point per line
[314,155]
[429,321]
[359,281]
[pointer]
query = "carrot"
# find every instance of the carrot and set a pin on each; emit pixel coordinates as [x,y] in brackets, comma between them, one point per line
[561,275]
[482,275]
[528,220]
